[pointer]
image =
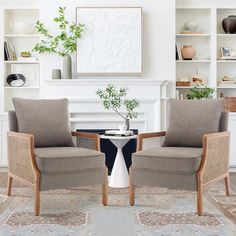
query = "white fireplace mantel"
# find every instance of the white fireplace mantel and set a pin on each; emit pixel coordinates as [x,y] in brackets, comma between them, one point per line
[87,110]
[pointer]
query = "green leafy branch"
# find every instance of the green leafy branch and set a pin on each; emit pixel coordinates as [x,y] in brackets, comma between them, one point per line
[65,43]
[200,93]
[114,99]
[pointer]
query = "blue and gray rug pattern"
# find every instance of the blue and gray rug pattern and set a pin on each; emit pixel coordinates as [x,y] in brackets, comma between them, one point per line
[80,212]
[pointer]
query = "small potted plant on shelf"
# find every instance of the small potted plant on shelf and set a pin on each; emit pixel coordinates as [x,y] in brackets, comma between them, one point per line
[200,93]
[115,98]
[64,44]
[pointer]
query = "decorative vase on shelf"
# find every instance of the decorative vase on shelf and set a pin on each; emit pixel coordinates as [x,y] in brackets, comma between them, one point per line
[188,52]
[67,68]
[229,24]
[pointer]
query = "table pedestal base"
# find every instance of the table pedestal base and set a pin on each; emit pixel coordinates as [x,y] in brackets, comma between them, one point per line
[119,175]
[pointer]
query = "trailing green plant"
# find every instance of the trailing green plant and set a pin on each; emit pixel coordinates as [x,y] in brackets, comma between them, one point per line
[63,44]
[115,98]
[201,93]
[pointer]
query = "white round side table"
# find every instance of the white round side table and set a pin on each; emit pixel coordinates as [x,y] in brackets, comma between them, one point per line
[119,176]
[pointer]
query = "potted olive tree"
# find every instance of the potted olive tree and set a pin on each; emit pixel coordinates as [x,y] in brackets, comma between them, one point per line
[64,44]
[116,99]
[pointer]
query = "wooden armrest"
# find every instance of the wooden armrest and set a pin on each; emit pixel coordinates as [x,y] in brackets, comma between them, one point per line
[215,158]
[143,136]
[88,135]
[28,137]
[21,158]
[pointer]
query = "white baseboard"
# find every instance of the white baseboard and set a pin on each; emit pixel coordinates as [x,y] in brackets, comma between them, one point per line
[3,169]
[232,169]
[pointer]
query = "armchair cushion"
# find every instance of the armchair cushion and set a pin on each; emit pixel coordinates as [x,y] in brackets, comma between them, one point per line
[47,120]
[168,159]
[189,120]
[52,160]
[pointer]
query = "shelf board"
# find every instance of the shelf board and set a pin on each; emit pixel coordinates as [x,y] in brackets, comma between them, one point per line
[226,61]
[23,87]
[226,35]
[192,35]
[227,87]
[21,62]
[193,61]
[21,35]
[189,87]
[184,87]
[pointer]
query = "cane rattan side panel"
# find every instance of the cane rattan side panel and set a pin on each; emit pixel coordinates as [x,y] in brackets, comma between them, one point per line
[85,142]
[217,158]
[19,158]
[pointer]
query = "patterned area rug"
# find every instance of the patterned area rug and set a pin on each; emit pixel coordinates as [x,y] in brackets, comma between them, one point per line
[80,212]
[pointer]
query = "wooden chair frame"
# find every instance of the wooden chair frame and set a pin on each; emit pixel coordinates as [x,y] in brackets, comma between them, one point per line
[215,150]
[21,147]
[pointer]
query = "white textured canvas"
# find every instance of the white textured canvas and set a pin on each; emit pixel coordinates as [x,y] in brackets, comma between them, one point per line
[111,42]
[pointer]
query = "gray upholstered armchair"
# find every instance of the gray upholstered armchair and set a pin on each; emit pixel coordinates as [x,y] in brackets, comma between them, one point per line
[195,151]
[41,152]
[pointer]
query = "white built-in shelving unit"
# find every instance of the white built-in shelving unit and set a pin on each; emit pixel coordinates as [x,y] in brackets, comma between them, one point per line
[20,43]
[207,42]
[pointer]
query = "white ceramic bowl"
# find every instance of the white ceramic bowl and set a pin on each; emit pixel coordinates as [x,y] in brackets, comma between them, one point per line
[22,28]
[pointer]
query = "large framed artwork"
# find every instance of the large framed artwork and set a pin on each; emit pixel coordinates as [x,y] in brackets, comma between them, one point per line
[111,42]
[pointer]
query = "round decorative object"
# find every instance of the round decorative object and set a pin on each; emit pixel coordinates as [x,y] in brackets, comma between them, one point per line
[56,74]
[25,54]
[191,26]
[22,28]
[229,24]
[188,52]
[16,80]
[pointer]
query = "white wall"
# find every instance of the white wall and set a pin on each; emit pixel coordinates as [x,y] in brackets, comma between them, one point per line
[19,3]
[205,3]
[159,34]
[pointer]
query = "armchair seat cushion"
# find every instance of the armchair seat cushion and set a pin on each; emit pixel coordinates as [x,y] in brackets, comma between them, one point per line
[168,159]
[68,159]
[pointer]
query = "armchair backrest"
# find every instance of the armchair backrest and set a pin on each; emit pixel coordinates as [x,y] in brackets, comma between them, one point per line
[224,121]
[46,119]
[12,121]
[189,120]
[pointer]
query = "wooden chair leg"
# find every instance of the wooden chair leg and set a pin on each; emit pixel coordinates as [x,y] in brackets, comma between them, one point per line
[200,197]
[131,195]
[104,194]
[131,189]
[9,185]
[227,187]
[36,197]
[105,189]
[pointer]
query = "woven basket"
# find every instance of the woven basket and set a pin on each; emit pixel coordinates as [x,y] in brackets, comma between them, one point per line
[230,104]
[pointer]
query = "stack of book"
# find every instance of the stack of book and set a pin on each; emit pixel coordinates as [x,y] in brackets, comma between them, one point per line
[9,52]
[119,133]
